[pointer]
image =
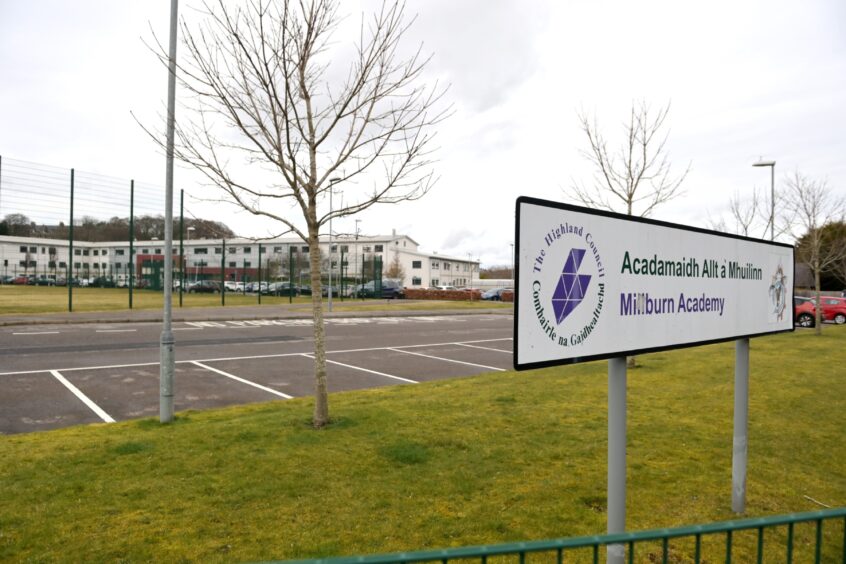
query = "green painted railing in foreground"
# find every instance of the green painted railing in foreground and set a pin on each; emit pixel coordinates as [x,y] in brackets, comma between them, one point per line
[558,548]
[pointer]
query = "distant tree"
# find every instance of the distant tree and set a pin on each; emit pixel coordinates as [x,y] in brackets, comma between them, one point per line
[812,208]
[269,125]
[833,241]
[395,269]
[495,272]
[18,225]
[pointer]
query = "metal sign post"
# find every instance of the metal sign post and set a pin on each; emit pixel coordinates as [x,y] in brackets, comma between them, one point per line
[741,425]
[616,455]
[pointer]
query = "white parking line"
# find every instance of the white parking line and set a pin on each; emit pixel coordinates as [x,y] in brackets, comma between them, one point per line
[38,333]
[85,399]
[236,378]
[401,379]
[448,360]
[484,348]
[251,357]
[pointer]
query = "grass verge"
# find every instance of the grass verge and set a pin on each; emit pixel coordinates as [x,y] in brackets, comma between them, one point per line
[494,458]
[31,300]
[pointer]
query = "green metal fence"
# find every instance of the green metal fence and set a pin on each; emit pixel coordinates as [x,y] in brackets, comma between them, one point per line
[774,537]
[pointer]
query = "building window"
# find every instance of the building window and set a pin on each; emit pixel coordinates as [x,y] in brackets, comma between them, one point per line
[247,264]
[51,264]
[43,250]
[63,265]
[333,249]
[378,248]
[436,266]
[33,250]
[233,264]
[435,281]
[77,252]
[416,281]
[158,251]
[201,251]
[96,252]
[76,265]
[217,250]
[277,249]
[23,249]
[145,251]
[305,249]
[345,248]
[417,264]
[104,252]
[248,250]
[22,263]
[366,249]
[119,252]
[52,250]
[117,265]
[32,263]
[86,252]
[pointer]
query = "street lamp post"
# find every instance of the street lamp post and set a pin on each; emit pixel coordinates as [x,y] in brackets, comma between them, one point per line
[770,164]
[512,263]
[332,182]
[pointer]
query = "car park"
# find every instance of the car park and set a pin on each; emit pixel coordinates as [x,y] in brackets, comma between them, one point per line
[280,289]
[44,281]
[6,279]
[23,280]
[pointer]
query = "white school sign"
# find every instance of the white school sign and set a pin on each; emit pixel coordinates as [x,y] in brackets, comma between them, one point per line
[594,285]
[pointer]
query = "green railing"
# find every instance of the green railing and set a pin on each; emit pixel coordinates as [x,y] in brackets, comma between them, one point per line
[559,549]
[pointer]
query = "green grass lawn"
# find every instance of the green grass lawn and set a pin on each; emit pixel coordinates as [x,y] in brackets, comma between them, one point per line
[23,300]
[489,459]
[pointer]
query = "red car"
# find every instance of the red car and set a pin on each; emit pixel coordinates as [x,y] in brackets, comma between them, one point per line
[834,309]
[804,314]
[22,280]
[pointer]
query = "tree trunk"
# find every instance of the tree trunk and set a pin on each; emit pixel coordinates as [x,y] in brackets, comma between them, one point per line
[818,309]
[321,396]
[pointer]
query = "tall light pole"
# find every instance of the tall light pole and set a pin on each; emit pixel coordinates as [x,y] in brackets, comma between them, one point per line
[166,344]
[770,164]
[332,182]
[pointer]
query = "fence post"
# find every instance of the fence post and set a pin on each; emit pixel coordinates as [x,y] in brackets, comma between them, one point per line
[291,274]
[223,273]
[131,263]
[741,417]
[70,247]
[181,245]
[259,275]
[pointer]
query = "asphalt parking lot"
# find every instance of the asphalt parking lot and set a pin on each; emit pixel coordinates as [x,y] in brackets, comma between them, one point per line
[63,376]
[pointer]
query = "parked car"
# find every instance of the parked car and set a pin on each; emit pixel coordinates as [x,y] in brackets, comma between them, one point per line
[257,287]
[6,279]
[231,286]
[22,280]
[335,291]
[44,281]
[280,289]
[446,288]
[833,309]
[204,287]
[391,290]
[495,294]
[304,290]
[102,282]
[804,314]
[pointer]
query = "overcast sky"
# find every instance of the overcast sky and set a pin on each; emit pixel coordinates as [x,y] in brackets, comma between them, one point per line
[745,80]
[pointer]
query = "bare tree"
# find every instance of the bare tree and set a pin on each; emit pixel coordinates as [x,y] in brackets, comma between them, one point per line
[636,177]
[750,216]
[813,207]
[271,121]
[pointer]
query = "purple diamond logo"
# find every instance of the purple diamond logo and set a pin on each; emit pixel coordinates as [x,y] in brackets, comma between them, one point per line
[571,287]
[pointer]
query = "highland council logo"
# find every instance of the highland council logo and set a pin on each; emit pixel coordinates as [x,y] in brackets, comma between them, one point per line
[568,290]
